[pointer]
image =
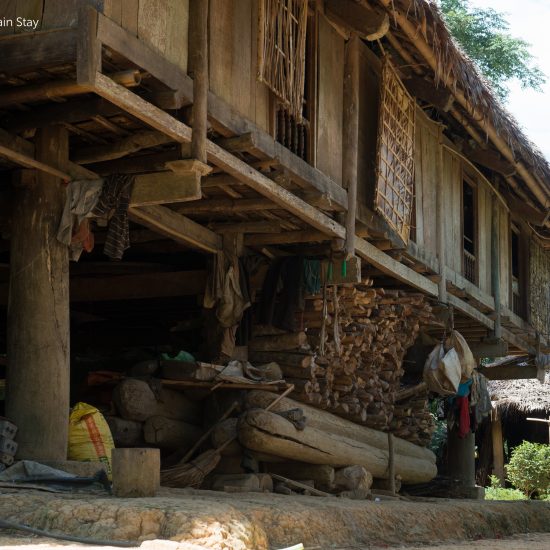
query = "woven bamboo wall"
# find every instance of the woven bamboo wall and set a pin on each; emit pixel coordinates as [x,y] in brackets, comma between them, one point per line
[539,295]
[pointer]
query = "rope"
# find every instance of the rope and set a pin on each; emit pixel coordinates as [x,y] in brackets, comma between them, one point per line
[4,524]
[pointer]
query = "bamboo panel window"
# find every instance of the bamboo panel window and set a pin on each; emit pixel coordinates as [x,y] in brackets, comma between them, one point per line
[539,289]
[281,51]
[395,153]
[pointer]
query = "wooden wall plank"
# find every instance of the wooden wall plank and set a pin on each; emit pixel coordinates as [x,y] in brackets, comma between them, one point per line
[177,32]
[113,9]
[233,59]
[152,22]
[429,176]
[330,106]
[504,229]
[129,16]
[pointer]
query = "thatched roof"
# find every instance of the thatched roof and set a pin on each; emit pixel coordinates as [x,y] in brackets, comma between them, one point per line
[454,63]
[521,396]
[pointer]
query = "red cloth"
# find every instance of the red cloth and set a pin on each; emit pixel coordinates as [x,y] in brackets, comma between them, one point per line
[463,416]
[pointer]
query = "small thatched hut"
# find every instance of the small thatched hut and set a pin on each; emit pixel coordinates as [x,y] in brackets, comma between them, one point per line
[517,400]
[514,401]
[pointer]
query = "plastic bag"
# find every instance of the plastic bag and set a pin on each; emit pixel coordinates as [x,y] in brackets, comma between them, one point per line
[90,438]
[442,371]
[465,356]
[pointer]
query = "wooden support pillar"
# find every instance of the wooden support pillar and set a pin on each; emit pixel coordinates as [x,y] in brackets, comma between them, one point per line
[498,446]
[350,138]
[38,310]
[461,461]
[495,266]
[198,51]
[440,223]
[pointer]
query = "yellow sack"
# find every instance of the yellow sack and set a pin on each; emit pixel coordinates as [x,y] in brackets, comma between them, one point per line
[90,438]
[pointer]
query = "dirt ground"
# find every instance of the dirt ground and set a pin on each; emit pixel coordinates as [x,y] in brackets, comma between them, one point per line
[533,541]
[191,520]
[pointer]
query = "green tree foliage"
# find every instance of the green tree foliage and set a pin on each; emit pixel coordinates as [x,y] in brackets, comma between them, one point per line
[529,468]
[484,35]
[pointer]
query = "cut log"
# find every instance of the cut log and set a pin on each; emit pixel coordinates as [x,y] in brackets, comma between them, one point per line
[126,433]
[168,433]
[292,359]
[136,472]
[279,342]
[331,423]
[135,400]
[351,478]
[268,432]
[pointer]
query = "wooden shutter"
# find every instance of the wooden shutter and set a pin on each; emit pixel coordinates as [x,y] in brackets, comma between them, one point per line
[395,153]
[281,50]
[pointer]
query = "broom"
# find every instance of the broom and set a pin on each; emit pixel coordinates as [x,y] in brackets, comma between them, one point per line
[192,474]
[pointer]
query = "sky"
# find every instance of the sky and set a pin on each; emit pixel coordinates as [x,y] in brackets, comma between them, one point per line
[529,20]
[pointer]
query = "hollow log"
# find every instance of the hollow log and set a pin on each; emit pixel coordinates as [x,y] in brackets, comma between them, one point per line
[126,433]
[270,433]
[135,400]
[169,433]
[331,423]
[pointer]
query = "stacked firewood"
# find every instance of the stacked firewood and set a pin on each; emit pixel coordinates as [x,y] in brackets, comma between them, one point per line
[412,420]
[349,359]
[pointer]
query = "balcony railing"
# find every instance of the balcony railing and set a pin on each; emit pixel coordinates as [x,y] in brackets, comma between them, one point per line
[470,267]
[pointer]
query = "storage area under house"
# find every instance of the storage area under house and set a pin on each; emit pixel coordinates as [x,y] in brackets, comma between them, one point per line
[236,229]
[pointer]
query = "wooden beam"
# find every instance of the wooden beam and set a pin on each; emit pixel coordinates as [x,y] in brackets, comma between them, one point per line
[423,89]
[489,348]
[510,372]
[130,144]
[26,52]
[489,159]
[152,162]
[177,227]
[247,227]
[288,237]
[360,17]
[226,206]
[163,188]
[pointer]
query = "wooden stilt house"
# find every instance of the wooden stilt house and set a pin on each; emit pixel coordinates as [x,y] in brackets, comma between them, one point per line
[354,132]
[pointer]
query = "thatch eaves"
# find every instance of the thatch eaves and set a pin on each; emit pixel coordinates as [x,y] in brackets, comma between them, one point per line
[524,397]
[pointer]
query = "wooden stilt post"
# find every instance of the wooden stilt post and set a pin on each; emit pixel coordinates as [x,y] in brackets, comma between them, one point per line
[498,446]
[38,310]
[198,40]
[350,138]
[440,223]
[461,452]
[495,266]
